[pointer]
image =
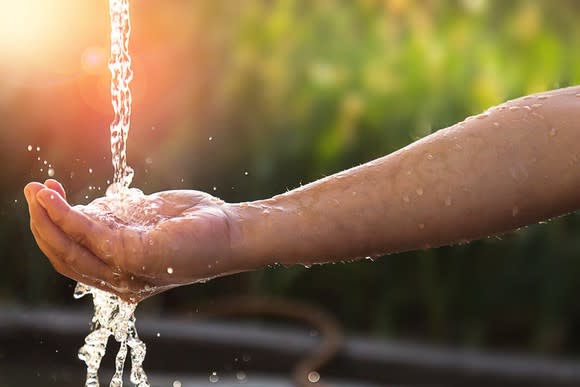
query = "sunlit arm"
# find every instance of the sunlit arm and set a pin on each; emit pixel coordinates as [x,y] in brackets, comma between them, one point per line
[513,165]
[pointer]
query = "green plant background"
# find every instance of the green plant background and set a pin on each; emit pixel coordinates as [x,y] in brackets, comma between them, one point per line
[293,90]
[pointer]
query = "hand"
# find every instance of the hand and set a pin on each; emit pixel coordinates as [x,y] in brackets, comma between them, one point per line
[162,241]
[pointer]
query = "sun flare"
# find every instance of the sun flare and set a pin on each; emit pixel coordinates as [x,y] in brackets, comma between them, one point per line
[36,33]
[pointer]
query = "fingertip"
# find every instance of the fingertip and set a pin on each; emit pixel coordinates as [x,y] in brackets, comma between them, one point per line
[51,201]
[32,189]
[56,186]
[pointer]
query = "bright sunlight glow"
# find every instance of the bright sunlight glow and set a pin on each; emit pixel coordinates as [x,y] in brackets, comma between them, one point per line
[51,34]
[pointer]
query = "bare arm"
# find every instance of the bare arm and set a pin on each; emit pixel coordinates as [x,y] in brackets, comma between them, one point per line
[511,166]
[516,164]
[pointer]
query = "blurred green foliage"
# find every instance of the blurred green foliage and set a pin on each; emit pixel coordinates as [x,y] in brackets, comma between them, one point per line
[292,90]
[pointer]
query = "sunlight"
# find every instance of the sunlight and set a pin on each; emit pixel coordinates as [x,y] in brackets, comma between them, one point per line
[39,33]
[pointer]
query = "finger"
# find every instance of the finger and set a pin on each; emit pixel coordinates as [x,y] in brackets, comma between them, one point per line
[60,265]
[56,186]
[32,189]
[91,234]
[130,291]
[62,251]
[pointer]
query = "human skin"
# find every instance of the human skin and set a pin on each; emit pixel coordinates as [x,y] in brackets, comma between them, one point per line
[516,164]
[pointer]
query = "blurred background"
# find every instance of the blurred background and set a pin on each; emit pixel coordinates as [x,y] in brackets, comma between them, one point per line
[247,99]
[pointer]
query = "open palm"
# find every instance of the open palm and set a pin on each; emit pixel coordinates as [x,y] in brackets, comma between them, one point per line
[151,244]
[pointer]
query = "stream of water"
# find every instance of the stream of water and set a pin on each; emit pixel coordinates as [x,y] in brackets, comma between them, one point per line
[113,316]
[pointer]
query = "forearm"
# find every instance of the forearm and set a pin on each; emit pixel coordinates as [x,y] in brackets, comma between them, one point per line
[516,165]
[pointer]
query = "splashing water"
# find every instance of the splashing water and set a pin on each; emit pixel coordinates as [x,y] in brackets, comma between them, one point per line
[113,316]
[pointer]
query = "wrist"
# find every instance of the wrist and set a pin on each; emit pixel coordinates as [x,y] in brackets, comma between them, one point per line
[251,235]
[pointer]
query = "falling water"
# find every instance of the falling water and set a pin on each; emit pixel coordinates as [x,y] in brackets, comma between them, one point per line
[120,66]
[113,316]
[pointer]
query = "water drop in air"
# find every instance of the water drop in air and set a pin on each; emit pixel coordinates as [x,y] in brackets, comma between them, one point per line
[313,377]
[51,172]
[170,270]
[214,378]
[177,383]
[241,376]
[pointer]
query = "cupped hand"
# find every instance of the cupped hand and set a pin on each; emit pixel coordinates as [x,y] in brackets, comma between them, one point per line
[157,242]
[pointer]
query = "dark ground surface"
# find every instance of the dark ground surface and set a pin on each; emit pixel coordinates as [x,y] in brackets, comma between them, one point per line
[38,348]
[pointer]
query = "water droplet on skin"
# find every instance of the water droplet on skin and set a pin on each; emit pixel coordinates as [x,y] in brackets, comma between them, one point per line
[448,201]
[177,383]
[38,149]
[515,211]
[528,108]
[514,108]
[90,170]
[170,270]
[38,158]
[246,173]
[353,193]
[553,132]
[51,197]
[210,138]
[429,156]
[45,162]
[496,124]
[149,161]
[543,97]
[30,148]
[313,377]
[214,378]
[482,116]
[419,191]
[421,226]
[158,334]
[537,105]
[406,199]
[51,172]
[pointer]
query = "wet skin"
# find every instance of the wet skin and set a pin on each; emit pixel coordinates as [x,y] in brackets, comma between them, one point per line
[517,164]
